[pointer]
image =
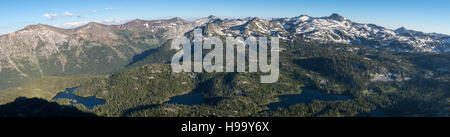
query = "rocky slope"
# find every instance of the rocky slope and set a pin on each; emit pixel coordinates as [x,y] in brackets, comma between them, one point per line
[42,50]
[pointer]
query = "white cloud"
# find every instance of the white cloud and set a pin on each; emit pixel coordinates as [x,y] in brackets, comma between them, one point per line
[68,14]
[70,25]
[94,11]
[108,8]
[5,32]
[113,21]
[50,16]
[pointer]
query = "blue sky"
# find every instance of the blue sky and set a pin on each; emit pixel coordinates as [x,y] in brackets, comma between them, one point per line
[422,15]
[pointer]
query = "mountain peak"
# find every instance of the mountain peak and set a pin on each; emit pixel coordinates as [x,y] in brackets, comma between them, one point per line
[336,17]
[303,17]
[92,24]
[212,17]
[37,26]
[207,20]
[255,19]
[137,20]
[176,19]
[405,30]
[401,29]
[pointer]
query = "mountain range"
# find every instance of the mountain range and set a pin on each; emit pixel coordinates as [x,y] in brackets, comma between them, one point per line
[43,50]
[329,66]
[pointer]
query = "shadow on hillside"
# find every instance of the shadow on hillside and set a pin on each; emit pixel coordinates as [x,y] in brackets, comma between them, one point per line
[160,55]
[127,112]
[141,56]
[35,107]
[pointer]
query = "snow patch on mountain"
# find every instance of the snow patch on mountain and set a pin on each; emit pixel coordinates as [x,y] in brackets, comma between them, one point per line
[330,29]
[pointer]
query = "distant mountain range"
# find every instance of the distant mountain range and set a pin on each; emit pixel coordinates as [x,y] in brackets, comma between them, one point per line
[42,50]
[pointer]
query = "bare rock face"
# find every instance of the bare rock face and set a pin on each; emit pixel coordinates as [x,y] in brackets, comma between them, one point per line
[42,50]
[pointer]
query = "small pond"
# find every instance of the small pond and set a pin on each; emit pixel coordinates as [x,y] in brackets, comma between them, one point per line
[89,102]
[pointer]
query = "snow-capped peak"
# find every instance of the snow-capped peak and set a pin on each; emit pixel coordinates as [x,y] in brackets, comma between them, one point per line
[334,28]
[304,17]
[212,17]
[301,18]
[207,20]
